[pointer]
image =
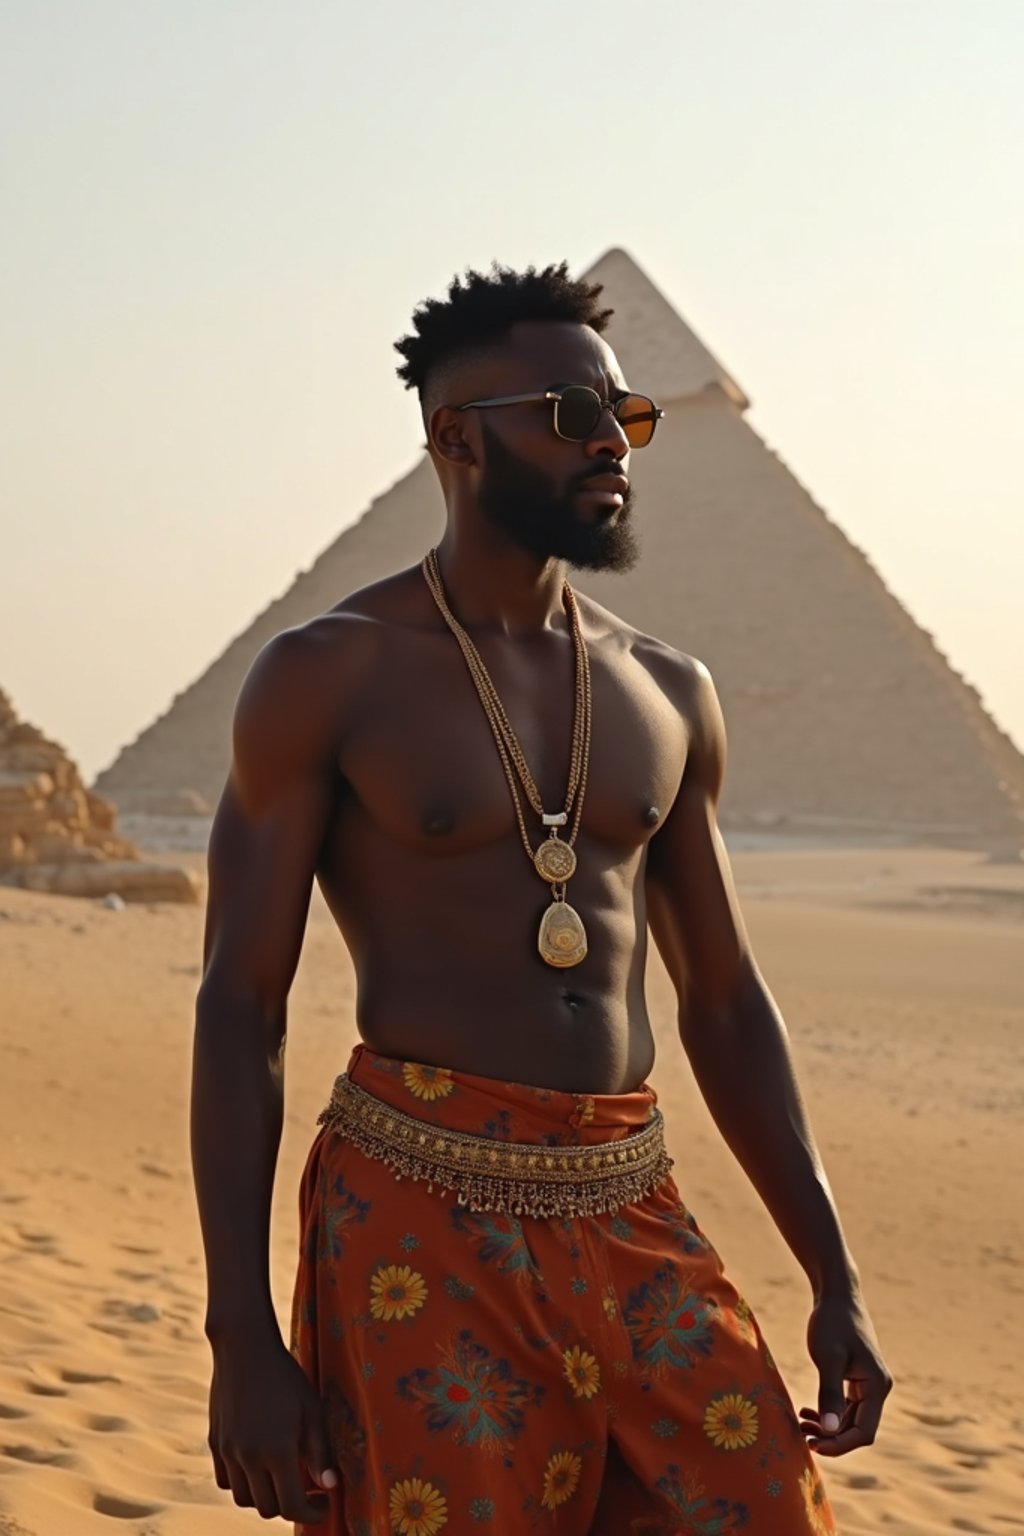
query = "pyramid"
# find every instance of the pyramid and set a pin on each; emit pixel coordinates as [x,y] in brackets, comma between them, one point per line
[842,714]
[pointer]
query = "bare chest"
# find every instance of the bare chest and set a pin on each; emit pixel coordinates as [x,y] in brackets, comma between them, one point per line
[421,760]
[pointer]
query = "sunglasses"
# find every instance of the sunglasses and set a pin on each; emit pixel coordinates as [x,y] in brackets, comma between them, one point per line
[578,411]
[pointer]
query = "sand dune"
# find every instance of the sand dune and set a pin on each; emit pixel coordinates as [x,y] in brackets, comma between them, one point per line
[900,974]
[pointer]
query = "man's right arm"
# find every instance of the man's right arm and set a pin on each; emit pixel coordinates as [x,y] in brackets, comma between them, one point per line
[264,846]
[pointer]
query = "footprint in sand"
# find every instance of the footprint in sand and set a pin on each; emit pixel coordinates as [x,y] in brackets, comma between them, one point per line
[130,1311]
[8,1411]
[107,1423]
[45,1389]
[963,1448]
[940,1420]
[37,1457]
[40,1244]
[123,1509]
[87,1378]
[155,1171]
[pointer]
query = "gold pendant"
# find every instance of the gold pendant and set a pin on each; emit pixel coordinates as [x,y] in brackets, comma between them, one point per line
[555,860]
[562,939]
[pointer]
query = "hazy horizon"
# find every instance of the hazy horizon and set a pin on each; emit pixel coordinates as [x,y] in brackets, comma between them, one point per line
[220,220]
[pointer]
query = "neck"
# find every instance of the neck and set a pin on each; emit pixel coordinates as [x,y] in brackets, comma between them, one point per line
[491,583]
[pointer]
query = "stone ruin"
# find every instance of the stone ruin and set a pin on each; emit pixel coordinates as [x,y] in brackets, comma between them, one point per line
[58,836]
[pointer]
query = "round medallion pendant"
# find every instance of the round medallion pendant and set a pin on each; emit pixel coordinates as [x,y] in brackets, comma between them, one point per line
[555,860]
[562,939]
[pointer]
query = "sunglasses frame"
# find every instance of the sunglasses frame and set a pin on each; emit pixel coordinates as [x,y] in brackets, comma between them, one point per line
[555,395]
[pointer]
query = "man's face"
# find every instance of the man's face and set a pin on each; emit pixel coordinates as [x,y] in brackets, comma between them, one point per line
[532,484]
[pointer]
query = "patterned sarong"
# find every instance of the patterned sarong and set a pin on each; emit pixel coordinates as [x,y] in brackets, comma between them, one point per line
[493,1371]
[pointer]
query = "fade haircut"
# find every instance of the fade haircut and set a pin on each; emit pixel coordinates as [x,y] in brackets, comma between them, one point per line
[482,308]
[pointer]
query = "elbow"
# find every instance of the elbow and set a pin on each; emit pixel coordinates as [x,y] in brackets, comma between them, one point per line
[721,1006]
[225,1005]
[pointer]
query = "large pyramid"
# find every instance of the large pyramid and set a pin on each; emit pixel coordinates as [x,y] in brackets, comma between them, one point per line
[842,714]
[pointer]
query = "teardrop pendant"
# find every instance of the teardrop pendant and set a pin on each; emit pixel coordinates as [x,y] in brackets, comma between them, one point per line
[562,938]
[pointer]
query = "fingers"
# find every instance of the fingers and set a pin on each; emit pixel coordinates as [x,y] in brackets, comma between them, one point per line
[276,1487]
[315,1445]
[306,1508]
[858,1421]
[220,1471]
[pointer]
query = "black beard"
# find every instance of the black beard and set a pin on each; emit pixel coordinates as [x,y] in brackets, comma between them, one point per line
[522,502]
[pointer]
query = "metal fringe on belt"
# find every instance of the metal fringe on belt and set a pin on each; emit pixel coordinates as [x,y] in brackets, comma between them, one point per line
[515,1177]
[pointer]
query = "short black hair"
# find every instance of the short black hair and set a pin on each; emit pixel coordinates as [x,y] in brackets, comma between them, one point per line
[484,306]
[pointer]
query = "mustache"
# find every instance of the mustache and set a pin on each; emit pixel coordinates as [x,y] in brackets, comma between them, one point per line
[598,472]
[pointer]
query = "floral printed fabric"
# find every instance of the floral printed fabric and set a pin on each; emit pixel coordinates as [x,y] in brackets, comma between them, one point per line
[486,1374]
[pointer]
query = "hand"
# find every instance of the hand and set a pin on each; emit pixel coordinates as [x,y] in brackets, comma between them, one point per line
[842,1344]
[268,1434]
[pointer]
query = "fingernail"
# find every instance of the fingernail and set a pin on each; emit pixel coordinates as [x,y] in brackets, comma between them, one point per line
[830,1422]
[329,1479]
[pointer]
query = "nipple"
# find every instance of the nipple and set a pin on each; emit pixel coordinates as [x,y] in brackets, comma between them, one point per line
[439,823]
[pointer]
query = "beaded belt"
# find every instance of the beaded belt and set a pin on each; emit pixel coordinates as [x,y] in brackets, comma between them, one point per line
[516,1177]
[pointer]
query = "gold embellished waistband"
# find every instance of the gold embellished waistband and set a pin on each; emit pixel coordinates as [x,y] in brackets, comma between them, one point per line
[519,1178]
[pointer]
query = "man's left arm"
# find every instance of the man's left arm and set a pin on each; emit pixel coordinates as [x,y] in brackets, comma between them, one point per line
[738,1048]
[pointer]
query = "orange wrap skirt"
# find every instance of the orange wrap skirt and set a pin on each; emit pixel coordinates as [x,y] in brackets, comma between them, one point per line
[493,1371]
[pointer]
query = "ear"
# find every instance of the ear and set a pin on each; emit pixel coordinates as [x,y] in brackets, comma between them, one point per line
[446,434]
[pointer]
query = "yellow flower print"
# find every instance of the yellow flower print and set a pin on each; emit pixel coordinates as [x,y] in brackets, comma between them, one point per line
[731,1421]
[396,1292]
[561,1479]
[425,1082]
[582,1372]
[416,1508]
[818,1519]
[745,1320]
[609,1304]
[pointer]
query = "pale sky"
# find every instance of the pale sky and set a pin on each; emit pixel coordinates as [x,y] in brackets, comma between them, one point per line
[219,214]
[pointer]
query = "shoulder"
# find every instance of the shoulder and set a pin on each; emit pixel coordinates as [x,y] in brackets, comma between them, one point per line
[292,707]
[290,671]
[685,680]
[686,683]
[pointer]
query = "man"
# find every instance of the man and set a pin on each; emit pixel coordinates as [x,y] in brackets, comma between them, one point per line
[505,1318]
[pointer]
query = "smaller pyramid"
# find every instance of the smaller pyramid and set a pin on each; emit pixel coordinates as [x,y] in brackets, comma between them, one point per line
[58,836]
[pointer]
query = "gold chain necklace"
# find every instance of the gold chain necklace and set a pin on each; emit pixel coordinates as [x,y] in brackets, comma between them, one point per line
[562,939]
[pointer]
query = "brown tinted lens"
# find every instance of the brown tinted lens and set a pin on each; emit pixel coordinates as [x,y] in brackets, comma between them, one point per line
[637,417]
[577,413]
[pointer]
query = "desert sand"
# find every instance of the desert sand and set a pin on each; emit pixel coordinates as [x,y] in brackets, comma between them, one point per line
[901,975]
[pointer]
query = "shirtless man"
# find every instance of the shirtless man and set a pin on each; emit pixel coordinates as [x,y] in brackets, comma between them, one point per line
[458,1363]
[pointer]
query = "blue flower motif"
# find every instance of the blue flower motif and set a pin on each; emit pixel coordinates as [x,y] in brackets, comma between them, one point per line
[774,1488]
[669,1325]
[578,1286]
[664,1428]
[369,1369]
[620,1227]
[409,1242]
[472,1394]
[459,1290]
[482,1509]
